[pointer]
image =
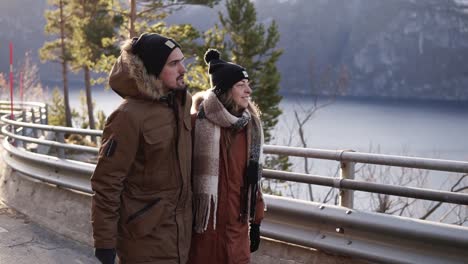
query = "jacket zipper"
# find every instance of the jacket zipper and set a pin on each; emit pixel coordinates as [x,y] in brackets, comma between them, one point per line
[178,169]
[143,210]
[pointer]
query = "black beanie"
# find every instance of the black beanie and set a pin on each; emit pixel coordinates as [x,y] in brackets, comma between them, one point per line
[153,49]
[223,74]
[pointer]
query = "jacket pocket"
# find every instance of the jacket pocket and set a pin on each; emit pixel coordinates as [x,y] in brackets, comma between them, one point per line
[145,220]
[159,149]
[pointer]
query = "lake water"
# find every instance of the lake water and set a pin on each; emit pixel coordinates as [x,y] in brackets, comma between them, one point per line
[430,129]
[417,128]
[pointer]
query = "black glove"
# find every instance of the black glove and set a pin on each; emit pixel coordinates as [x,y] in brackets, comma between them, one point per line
[105,255]
[254,237]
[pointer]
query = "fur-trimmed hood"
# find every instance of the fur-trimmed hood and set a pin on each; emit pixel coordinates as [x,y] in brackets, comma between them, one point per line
[129,77]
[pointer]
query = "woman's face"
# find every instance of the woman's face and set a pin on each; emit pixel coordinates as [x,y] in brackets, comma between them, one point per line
[241,92]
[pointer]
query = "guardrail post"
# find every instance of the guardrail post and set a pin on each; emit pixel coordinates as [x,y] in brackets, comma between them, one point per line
[23,119]
[12,141]
[44,113]
[20,143]
[33,120]
[347,172]
[60,138]
[33,116]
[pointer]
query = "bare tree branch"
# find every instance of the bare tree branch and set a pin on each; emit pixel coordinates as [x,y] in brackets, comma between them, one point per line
[452,189]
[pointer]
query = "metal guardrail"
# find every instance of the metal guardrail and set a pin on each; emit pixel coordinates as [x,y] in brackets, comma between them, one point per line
[345,184]
[372,236]
[61,172]
[35,111]
[371,158]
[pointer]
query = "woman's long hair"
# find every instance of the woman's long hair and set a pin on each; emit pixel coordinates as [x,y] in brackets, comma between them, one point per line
[233,108]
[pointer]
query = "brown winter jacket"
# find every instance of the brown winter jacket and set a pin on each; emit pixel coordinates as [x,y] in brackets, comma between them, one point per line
[142,202]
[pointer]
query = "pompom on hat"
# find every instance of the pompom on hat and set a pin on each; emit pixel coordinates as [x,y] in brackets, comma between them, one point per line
[153,49]
[223,74]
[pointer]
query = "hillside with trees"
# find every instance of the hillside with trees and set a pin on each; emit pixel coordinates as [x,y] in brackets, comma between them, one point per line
[400,48]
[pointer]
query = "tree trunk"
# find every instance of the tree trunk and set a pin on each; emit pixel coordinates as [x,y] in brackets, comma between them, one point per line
[132,20]
[89,98]
[68,121]
[89,101]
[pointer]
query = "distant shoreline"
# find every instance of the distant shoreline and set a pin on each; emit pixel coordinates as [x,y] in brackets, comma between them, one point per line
[73,86]
[384,98]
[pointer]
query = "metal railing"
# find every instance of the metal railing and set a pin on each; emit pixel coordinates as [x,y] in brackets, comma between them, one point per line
[338,229]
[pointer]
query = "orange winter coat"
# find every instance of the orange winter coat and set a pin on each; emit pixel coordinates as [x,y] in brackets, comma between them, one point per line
[229,243]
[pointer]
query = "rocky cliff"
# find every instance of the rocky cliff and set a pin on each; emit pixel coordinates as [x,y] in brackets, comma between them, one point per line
[398,48]
[390,48]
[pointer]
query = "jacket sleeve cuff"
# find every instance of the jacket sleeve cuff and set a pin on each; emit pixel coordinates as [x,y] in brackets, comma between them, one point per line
[105,243]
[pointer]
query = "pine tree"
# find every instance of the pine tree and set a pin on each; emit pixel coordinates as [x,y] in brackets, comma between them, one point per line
[93,29]
[58,50]
[101,120]
[148,16]
[56,109]
[149,11]
[254,48]
[198,78]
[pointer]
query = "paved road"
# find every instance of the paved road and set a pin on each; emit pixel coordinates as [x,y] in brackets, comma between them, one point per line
[24,242]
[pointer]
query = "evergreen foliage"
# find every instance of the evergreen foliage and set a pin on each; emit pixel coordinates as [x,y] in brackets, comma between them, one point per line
[254,47]
[92,41]
[198,78]
[93,29]
[59,23]
[149,15]
[56,110]
[101,120]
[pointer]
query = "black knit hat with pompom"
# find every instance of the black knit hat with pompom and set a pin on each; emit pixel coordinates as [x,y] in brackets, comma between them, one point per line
[223,74]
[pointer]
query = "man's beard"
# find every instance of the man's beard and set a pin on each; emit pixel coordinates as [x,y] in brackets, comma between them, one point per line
[179,85]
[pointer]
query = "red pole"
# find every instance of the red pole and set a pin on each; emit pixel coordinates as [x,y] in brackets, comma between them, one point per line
[11,80]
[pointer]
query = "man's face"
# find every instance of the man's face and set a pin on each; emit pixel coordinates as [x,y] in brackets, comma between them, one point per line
[173,72]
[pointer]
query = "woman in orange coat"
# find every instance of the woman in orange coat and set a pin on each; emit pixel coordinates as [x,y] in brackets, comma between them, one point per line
[226,173]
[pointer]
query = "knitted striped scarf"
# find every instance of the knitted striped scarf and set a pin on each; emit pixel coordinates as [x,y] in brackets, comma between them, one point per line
[210,118]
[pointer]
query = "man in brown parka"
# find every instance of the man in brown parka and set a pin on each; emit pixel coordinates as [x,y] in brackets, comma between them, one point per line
[142,207]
